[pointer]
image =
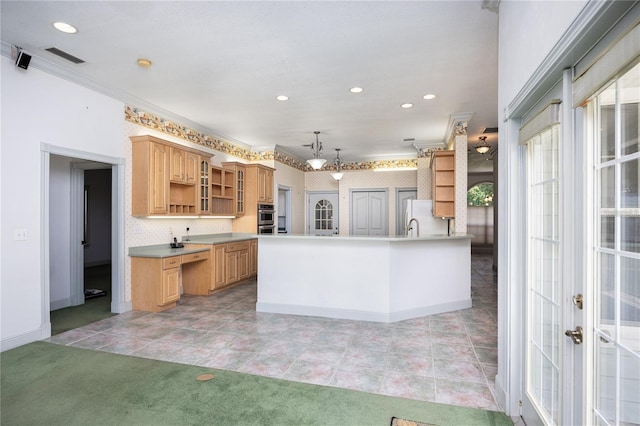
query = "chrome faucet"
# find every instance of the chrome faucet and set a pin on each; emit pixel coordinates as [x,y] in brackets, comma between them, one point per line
[409,227]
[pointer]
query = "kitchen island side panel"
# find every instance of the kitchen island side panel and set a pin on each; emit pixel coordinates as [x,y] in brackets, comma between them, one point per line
[375,279]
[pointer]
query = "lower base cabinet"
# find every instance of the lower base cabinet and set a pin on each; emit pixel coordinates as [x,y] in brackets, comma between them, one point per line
[230,264]
[155,283]
[237,261]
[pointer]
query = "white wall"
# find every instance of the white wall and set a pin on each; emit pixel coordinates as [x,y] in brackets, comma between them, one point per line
[294,179]
[40,108]
[528,30]
[364,179]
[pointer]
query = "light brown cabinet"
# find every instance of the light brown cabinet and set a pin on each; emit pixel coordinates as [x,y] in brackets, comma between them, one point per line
[258,189]
[155,283]
[240,173]
[265,185]
[218,278]
[222,191]
[205,201]
[230,263]
[443,183]
[170,291]
[183,166]
[165,178]
[237,261]
[253,257]
[150,177]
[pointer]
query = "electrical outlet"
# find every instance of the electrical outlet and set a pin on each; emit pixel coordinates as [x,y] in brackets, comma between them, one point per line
[20,234]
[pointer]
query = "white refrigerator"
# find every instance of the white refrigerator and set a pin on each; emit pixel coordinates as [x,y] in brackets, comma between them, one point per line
[421,210]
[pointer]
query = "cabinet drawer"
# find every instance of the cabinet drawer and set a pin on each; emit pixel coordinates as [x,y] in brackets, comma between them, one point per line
[195,257]
[240,245]
[171,262]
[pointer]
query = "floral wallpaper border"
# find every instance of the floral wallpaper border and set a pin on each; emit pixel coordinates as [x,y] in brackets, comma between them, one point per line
[145,119]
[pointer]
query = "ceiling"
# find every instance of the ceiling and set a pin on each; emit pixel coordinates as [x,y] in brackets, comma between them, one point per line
[220,66]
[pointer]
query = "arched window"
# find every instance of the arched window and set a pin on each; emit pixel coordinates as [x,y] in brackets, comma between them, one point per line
[324,215]
[480,213]
[480,195]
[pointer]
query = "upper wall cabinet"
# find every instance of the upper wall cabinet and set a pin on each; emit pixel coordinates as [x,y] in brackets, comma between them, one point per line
[443,183]
[165,178]
[265,185]
[183,166]
[240,173]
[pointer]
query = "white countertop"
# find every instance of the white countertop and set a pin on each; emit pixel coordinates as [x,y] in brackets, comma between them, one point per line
[401,238]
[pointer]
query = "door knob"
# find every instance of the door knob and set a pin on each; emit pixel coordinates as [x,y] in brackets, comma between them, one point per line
[575,335]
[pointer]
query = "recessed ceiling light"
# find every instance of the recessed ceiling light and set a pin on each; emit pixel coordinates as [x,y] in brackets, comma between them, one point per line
[407,105]
[144,63]
[356,89]
[65,28]
[282,98]
[429,96]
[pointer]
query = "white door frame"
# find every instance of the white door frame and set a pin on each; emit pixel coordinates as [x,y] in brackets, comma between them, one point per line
[287,206]
[118,301]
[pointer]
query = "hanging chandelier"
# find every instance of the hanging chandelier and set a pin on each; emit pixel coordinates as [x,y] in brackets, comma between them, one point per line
[483,148]
[316,162]
[337,175]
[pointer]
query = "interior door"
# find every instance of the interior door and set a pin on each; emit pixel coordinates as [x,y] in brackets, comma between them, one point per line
[323,216]
[369,212]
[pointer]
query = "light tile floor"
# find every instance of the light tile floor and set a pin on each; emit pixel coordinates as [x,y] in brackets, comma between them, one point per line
[449,358]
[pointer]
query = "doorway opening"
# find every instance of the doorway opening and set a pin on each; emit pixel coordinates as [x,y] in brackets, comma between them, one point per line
[83,240]
[284,209]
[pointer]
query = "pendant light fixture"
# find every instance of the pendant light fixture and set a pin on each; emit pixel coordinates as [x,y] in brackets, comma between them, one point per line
[337,175]
[483,148]
[316,162]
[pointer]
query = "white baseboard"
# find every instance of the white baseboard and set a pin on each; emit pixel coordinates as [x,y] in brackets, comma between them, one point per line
[316,311]
[23,339]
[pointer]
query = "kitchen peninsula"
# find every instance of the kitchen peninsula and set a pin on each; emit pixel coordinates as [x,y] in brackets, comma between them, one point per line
[382,279]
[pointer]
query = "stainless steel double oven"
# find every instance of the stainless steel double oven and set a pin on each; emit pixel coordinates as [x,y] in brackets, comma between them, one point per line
[266,219]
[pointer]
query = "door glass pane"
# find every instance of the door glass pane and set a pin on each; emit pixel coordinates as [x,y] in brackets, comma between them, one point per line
[629,98]
[324,215]
[543,351]
[617,321]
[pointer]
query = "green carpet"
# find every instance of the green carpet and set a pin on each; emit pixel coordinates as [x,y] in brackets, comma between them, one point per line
[48,384]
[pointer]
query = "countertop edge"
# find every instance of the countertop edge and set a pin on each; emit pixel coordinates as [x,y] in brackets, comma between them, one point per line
[163,250]
[365,238]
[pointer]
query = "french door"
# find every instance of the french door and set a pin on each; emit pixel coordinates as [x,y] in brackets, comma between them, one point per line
[548,356]
[615,333]
[582,298]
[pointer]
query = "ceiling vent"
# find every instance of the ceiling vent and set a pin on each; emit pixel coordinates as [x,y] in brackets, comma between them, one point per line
[64,55]
[490,130]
